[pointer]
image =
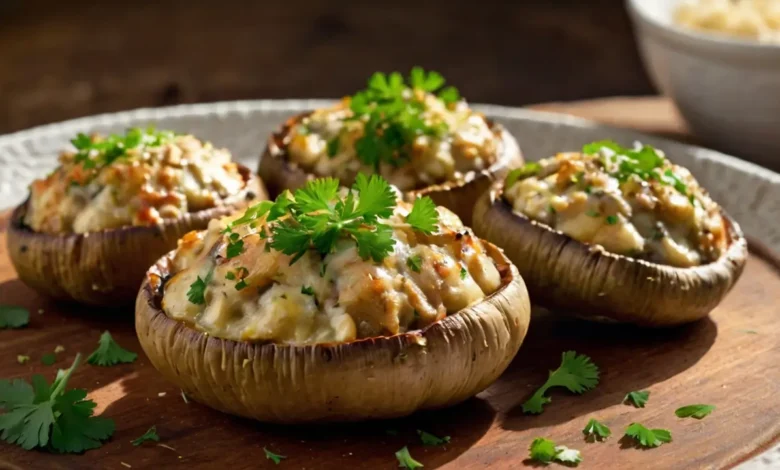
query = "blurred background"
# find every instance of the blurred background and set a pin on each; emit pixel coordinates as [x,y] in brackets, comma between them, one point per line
[65,59]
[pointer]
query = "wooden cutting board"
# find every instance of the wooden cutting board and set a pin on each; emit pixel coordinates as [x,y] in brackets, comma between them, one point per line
[729,360]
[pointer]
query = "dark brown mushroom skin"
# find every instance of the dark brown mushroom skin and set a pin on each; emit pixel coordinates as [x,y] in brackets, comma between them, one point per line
[585,280]
[279,173]
[383,377]
[106,267]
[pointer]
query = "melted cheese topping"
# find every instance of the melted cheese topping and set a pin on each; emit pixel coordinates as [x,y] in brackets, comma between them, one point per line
[468,145]
[748,19]
[575,194]
[143,187]
[259,296]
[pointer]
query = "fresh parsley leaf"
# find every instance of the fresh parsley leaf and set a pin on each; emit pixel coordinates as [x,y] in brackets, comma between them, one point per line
[307,290]
[316,195]
[12,316]
[230,276]
[463,273]
[429,82]
[241,284]
[414,263]
[694,411]
[377,198]
[43,415]
[612,219]
[648,437]
[197,292]
[449,95]
[596,430]
[235,246]
[109,353]
[275,458]
[577,373]
[429,439]
[542,450]
[150,435]
[595,148]
[529,169]
[638,399]
[423,217]
[48,359]
[22,359]
[405,460]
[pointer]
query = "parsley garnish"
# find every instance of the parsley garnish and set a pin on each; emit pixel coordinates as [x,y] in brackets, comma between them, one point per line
[405,460]
[235,246]
[393,115]
[638,399]
[429,439]
[423,216]
[577,373]
[241,284]
[197,292]
[545,451]
[694,411]
[12,316]
[99,152]
[529,169]
[596,430]
[275,458]
[307,290]
[612,219]
[414,263]
[230,276]
[317,218]
[463,273]
[47,416]
[648,437]
[109,353]
[150,435]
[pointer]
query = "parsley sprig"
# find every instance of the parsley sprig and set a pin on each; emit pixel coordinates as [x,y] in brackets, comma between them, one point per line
[645,163]
[545,451]
[577,373]
[94,153]
[110,353]
[48,416]
[393,114]
[317,218]
[12,316]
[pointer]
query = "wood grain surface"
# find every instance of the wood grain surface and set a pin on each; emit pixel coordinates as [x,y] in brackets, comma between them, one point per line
[60,60]
[729,360]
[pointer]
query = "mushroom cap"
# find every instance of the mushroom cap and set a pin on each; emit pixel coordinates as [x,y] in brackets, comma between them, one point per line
[279,173]
[383,377]
[587,281]
[106,267]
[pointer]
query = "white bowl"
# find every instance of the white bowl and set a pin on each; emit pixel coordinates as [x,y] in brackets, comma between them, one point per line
[728,89]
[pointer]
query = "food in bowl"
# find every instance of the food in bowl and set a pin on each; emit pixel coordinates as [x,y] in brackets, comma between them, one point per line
[419,135]
[615,233]
[90,229]
[747,19]
[330,305]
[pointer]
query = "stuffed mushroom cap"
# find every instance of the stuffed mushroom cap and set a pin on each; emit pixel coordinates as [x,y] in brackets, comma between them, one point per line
[612,233]
[420,137]
[91,228]
[376,314]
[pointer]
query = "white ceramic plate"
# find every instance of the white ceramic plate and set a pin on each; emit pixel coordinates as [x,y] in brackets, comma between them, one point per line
[751,194]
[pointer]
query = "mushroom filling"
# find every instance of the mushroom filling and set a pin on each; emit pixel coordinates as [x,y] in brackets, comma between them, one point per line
[633,202]
[139,178]
[326,272]
[407,133]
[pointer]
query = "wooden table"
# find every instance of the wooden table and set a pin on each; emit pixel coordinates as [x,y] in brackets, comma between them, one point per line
[729,360]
